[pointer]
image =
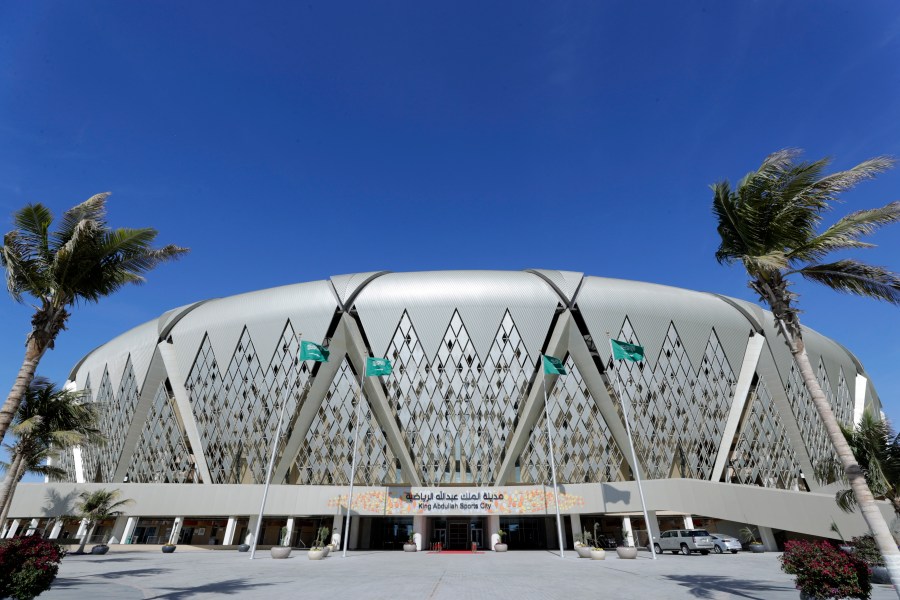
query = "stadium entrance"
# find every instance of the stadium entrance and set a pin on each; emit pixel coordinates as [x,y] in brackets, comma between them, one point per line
[457,533]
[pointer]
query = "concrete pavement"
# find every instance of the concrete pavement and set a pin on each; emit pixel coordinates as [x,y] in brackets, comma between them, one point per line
[389,575]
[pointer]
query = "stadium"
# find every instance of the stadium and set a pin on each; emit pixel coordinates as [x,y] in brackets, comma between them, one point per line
[453,443]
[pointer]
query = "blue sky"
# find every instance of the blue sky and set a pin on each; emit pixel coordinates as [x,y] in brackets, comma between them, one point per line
[286,142]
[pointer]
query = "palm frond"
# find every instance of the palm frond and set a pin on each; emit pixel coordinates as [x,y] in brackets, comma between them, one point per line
[854,277]
[845,233]
[845,500]
[828,188]
[33,223]
[93,209]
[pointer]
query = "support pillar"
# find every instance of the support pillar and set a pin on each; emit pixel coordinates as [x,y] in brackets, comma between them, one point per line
[32,526]
[228,538]
[767,537]
[493,526]
[688,522]
[289,534]
[130,526]
[652,527]
[13,528]
[355,523]
[336,524]
[57,528]
[420,522]
[176,530]
[82,529]
[627,531]
[252,526]
[117,535]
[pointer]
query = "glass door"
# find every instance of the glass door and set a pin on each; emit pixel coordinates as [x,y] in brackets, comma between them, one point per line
[477,536]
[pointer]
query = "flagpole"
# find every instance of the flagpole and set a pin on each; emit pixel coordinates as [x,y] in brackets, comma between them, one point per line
[552,464]
[362,379]
[637,469]
[262,505]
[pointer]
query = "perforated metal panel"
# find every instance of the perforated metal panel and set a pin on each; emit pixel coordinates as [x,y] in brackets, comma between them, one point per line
[162,454]
[237,411]
[678,414]
[821,452]
[763,454]
[327,451]
[457,410]
[583,447]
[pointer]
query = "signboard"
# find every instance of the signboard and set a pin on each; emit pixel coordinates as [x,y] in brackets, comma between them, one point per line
[517,500]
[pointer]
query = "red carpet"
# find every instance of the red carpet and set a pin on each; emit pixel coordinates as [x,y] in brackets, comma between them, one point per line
[456,552]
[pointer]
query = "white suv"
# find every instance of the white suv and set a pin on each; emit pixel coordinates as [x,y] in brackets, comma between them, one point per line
[684,541]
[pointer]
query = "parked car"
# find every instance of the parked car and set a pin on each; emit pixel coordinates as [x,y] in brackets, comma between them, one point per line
[685,541]
[725,543]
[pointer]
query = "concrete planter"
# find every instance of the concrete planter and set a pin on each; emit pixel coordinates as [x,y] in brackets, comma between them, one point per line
[280,551]
[598,554]
[327,551]
[626,552]
[583,551]
[757,548]
[500,547]
[168,549]
[316,554]
[880,575]
[100,549]
[409,547]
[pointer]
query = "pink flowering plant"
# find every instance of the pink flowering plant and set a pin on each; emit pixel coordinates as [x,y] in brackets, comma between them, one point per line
[822,571]
[28,566]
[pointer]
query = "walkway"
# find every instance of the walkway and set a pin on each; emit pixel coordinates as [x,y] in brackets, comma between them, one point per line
[391,575]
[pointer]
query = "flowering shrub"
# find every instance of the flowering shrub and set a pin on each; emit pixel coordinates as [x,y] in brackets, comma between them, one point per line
[28,565]
[822,571]
[864,548]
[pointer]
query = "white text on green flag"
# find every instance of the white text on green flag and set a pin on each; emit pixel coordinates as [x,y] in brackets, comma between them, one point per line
[553,366]
[624,350]
[377,366]
[313,351]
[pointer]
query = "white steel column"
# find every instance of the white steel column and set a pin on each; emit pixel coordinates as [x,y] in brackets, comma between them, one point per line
[289,534]
[493,525]
[688,522]
[755,345]
[627,531]
[130,524]
[82,529]
[228,538]
[13,528]
[859,402]
[32,526]
[420,523]
[176,530]
[79,464]
[57,528]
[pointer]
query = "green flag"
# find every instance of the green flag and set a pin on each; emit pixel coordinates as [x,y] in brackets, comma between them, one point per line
[553,366]
[313,351]
[626,351]
[377,366]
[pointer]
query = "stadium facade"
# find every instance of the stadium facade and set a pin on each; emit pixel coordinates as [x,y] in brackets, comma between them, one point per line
[453,444]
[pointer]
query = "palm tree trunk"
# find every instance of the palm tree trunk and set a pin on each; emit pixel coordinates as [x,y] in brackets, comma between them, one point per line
[864,499]
[9,484]
[87,536]
[33,354]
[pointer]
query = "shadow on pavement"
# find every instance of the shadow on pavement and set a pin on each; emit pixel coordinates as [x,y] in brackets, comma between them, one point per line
[232,586]
[707,586]
[73,581]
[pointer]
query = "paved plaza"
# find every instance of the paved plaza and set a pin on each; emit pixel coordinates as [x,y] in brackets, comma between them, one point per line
[523,575]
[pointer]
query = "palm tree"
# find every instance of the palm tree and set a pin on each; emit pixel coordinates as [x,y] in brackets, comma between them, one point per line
[48,421]
[877,449]
[97,506]
[770,224]
[82,261]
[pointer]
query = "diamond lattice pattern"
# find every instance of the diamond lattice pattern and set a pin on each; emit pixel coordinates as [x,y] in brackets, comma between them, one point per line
[458,409]
[327,451]
[583,446]
[678,414]
[763,454]
[162,455]
[237,411]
